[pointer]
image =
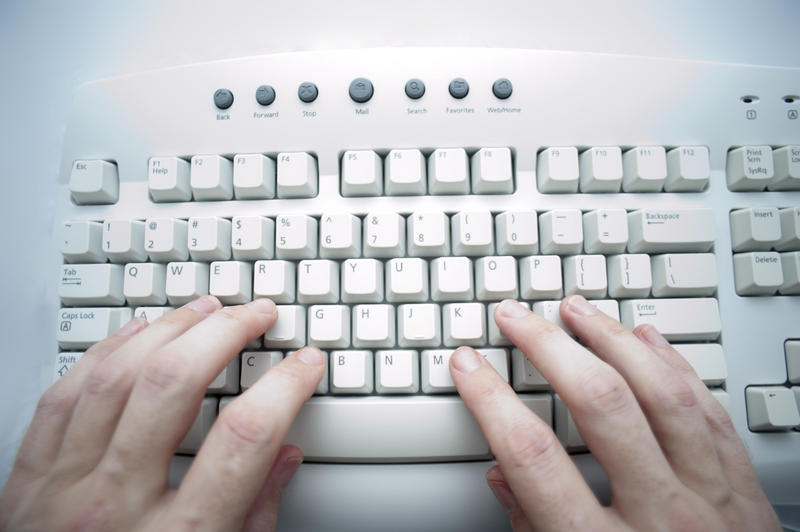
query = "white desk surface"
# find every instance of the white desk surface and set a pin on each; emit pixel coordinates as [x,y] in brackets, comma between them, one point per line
[48,48]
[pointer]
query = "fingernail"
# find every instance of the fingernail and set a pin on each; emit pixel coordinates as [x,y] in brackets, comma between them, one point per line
[204,305]
[132,327]
[262,305]
[653,337]
[310,355]
[503,495]
[511,309]
[578,305]
[288,470]
[466,360]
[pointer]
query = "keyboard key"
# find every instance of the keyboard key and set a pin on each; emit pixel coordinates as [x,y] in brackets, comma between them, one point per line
[566,430]
[230,282]
[755,229]
[91,284]
[384,235]
[186,281]
[373,326]
[253,176]
[707,360]
[295,237]
[561,232]
[771,408]
[790,262]
[405,173]
[297,175]
[585,275]
[605,231]
[252,237]
[787,169]
[526,378]
[151,314]
[428,234]
[749,168]
[684,274]
[329,326]
[496,278]
[679,320]
[211,178]
[94,183]
[145,283]
[419,325]
[64,362]
[609,307]
[517,233]
[255,364]
[362,281]
[339,236]
[448,171]
[472,233]
[362,173]
[498,358]
[166,239]
[274,279]
[451,279]
[317,281]
[200,427]
[289,330]
[123,241]
[644,169]
[435,371]
[688,169]
[464,324]
[629,276]
[540,277]
[406,280]
[496,337]
[168,179]
[491,171]
[209,238]
[792,348]
[557,170]
[351,372]
[671,230]
[82,242]
[757,273]
[79,328]
[227,382]
[549,310]
[601,169]
[790,230]
[396,371]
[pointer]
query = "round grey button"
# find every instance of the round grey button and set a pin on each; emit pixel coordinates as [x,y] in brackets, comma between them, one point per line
[265,95]
[459,88]
[361,90]
[502,88]
[307,92]
[223,98]
[415,88]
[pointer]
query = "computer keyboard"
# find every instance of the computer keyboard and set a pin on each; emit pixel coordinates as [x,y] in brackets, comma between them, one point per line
[388,200]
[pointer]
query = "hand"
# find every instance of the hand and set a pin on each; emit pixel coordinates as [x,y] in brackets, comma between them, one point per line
[97,453]
[673,458]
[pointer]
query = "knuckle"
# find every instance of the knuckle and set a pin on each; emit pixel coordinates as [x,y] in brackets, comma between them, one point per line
[57,400]
[603,391]
[166,372]
[531,445]
[674,396]
[244,427]
[612,328]
[293,372]
[718,418]
[236,320]
[104,379]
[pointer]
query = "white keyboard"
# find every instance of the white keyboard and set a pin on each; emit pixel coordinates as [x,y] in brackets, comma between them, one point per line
[387,200]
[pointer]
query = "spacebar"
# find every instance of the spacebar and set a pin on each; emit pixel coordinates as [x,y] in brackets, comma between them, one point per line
[394,429]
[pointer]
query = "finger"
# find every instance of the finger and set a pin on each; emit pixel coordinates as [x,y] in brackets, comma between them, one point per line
[108,387]
[502,492]
[168,391]
[263,513]
[667,399]
[550,489]
[605,411]
[242,446]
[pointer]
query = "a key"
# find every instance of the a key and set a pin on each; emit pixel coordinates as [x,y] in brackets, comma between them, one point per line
[200,427]
[252,237]
[317,281]
[755,229]
[428,234]
[405,173]
[145,283]
[790,262]
[749,168]
[227,382]
[758,273]
[496,337]
[472,233]
[289,330]
[549,310]
[464,324]
[253,176]
[211,178]
[771,408]
[166,239]
[186,281]
[629,276]
[557,170]
[448,171]
[329,326]
[396,371]
[94,182]
[295,237]
[64,362]
[209,238]
[605,231]
[684,274]
[419,325]
[230,282]
[151,314]
[362,281]
[362,173]
[435,371]
[255,363]
[790,230]
[340,236]
[644,169]
[498,358]
[601,169]
[373,326]
[787,169]
[517,233]
[540,277]
[678,320]
[297,175]
[82,242]
[707,360]
[491,171]
[91,284]
[688,169]
[792,349]
[561,232]
[79,328]
[609,307]
[585,275]
[406,280]
[671,230]
[123,241]
[274,279]
[384,235]
[351,372]
[168,179]
[451,279]
[526,378]
[496,278]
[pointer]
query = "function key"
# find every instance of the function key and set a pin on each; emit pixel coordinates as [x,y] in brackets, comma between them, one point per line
[223,98]
[265,95]
[361,90]
[307,92]
[502,88]
[787,169]
[688,169]
[415,88]
[644,169]
[749,168]
[458,88]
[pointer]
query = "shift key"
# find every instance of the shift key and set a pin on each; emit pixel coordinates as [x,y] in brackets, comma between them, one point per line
[79,328]
[679,320]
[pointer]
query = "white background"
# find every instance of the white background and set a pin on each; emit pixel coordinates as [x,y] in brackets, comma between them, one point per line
[47,49]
